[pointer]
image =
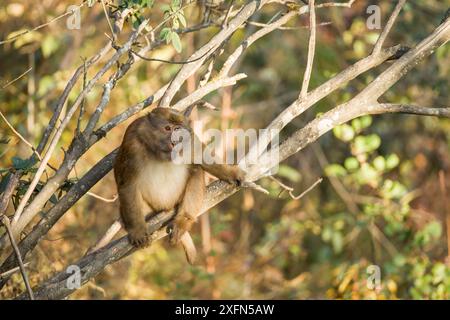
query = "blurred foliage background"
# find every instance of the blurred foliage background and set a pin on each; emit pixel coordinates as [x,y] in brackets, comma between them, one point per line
[383,201]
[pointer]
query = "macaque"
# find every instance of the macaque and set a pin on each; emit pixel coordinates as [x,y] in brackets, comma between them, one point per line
[149,181]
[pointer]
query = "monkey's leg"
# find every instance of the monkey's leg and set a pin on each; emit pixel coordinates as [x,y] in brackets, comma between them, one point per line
[131,211]
[188,210]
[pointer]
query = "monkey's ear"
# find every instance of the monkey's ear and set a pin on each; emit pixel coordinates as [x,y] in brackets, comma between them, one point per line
[187,112]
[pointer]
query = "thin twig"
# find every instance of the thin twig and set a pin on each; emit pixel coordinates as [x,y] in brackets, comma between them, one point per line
[290,190]
[8,273]
[20,136]
[227,15]
[172,14]
[260,24]
[83,102]
[41,26]
[7,193]
[14,80]
[168,61]
[107,237]
[446,209]
[254,186]
[301,195]
[61,128]
[311,50]
[410,109]
[5,222]
[388,27]
[113,35]
[96,196]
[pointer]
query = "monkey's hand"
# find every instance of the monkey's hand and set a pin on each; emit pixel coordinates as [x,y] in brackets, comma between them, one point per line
[226,172]
[235,175]
[181,224]
[139,237]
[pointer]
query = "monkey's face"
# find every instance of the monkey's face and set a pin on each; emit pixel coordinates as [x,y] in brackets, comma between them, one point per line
[167,129]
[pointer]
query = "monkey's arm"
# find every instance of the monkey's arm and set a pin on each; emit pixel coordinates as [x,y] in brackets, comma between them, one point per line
[130,198]
[226,172]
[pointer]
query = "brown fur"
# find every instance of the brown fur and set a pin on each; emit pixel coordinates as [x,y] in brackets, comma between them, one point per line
[148,181]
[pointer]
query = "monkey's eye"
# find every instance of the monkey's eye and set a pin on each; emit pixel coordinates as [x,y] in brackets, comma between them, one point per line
[168,128]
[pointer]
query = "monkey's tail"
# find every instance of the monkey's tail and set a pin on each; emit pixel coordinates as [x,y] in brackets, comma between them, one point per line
[189,247]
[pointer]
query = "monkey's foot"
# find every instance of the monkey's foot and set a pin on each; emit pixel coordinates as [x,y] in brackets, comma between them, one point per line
[180,225]
[139,238]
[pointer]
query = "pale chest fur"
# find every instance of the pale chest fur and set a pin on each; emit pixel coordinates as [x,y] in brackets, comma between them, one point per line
[162,184]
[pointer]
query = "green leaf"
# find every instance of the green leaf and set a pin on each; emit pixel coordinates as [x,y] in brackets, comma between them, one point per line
[175,3]
[289,173]
[351,163]
[344,132]
[46,83]
[366,121]
[182,19]
[176,41]
[361,123]
[327,234]
[356,124]
[49,45]
[136,20]
[147,3]
[392,161]
[53,199]
[335,170]
[434,229]
[393,189]
[439,272]
[4,182]
[337,241]
[165,8]
[379,163]
[163,35]
[4,140]
[175,23]
[367,175]
[366,144]
[21,164]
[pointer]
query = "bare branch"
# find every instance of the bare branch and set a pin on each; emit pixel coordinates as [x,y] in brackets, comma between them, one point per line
[41,26]
[311,50]
[210,87]
[95,174]
[96,196]
[8,192]
[301,195]
[5,221]
[8,273]
[388,27]
[188,69]
[290,190]
[17,133]
[17,78]
[364,103]
[409,109]
[19,221]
